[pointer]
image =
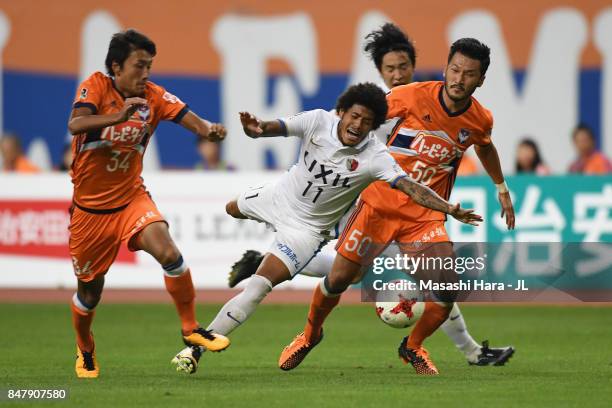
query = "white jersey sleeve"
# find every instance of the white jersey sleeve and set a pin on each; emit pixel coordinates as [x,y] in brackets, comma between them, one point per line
[384,167]
[384,131]
[303,123]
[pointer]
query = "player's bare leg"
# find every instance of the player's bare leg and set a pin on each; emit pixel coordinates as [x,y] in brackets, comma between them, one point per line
[155,239]
[232,209]
[83,306]
[324,299]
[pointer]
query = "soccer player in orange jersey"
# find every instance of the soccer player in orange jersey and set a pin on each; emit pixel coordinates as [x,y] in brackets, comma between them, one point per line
[438,121]
[112,120]
[394,56]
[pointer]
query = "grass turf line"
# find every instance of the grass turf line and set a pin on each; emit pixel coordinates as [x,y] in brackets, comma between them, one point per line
[564,359]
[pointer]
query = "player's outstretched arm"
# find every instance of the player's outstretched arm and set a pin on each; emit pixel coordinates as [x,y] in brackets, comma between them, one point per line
[490,161]
[83,119]
[426,197]
[254,127]
[214,132]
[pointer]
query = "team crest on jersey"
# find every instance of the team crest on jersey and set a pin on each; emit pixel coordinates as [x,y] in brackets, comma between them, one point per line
[144,112]
[352,164]
[83,93]
[463,136]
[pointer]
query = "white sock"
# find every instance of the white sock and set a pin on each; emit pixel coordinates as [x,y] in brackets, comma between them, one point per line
[238,309]
[456,329]
[321,265]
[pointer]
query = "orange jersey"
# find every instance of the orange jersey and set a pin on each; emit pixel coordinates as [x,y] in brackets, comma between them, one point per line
[428,142]
[596,163]
[23,165]
[108,162]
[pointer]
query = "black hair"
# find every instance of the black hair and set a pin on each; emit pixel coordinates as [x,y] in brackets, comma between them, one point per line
[122,44]
[537,159]
[472,48]
[585,128]
[368,95]
[388,38]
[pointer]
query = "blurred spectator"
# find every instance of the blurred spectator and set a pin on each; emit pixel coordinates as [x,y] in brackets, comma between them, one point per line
[529,160]
[210,156]
[270,162]
[468,166]
[66,163]
[589,160]
[13,159]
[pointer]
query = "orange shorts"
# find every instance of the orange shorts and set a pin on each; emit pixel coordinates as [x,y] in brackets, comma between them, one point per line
[368,233]
[95,239]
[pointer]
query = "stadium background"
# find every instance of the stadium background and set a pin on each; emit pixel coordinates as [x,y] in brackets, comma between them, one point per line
[551,68]
[548,73]
[275,58]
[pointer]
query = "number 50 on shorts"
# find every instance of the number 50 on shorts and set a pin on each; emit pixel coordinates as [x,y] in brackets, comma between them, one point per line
[357,242]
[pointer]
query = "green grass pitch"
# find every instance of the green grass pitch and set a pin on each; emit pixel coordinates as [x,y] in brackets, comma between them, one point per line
[563,359]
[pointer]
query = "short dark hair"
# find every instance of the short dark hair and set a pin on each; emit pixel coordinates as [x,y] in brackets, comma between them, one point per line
[368,95]
[123,43]
[472,48]
[584,128]
[388,38]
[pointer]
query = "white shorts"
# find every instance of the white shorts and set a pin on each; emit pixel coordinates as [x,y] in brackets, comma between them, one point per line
[293,244]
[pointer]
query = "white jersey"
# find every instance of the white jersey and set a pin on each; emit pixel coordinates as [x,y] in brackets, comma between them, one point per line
[329,176]
[386,129]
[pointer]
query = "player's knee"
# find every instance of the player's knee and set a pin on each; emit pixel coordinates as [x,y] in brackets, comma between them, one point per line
[343,273]
[337,283]
[169,255]
[232,209]
[87,301]
[89,293]
[172,262]
[359,276]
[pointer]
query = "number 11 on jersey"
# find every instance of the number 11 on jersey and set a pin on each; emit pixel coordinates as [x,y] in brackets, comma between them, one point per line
[319,191]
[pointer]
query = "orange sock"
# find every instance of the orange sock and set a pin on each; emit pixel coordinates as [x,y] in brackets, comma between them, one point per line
[320,307]
[182,292]
[81,321]
[432,318]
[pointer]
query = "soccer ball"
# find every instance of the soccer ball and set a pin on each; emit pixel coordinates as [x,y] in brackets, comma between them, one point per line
[401,313]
